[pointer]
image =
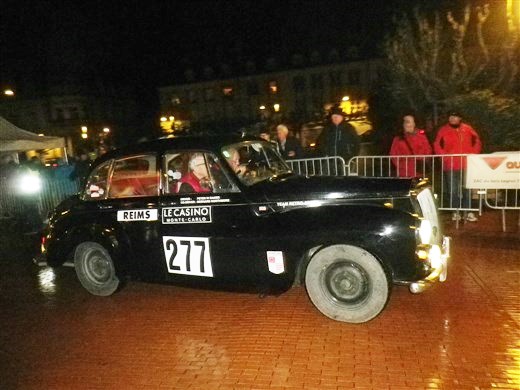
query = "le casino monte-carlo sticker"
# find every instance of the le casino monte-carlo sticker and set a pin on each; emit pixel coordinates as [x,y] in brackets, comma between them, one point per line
[188,214]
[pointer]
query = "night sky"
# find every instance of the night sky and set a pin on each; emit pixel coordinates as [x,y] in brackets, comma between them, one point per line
[153,42]
[145,44]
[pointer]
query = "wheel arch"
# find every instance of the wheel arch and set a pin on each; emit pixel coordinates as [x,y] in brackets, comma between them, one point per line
[113,239]
[314,250]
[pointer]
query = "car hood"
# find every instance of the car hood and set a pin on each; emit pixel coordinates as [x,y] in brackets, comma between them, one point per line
[332,187]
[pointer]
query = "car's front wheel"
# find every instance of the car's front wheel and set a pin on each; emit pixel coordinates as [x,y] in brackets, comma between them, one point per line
[347,283]
[95,269]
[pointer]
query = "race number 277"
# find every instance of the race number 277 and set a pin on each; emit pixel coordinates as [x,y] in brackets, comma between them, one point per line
[188,255]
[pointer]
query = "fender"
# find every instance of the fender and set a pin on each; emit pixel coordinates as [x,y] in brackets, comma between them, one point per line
[111,237]
[386,233]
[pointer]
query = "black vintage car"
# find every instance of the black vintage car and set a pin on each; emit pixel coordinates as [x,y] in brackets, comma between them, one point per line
[228,213]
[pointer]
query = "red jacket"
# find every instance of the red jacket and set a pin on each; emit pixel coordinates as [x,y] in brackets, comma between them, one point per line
[411,144]
[463,140]
[192,180]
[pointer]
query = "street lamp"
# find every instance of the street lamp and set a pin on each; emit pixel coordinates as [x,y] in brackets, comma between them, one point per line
[345,99]
[276,107]
[8,92]
[106,130]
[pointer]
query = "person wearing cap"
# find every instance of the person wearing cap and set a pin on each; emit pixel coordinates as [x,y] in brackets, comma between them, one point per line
[288,146]
[338,138]
[410,142]
[457,137]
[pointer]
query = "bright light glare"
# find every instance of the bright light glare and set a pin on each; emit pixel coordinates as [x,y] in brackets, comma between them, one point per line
[9,92]
[262,107]
[163,119]
[276,107]
[345,99]
[425,231]
[387,231]
[84,129]
[46,280]
[435,256]
[84,136]
[29,183]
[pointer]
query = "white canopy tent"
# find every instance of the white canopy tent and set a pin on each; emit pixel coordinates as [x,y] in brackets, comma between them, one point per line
[13,139]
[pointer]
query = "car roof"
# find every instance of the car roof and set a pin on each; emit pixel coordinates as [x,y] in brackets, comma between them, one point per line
[208,143]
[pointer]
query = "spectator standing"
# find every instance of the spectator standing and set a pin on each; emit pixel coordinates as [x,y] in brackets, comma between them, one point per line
[288,146]
[8,167]
[457,137]
[265,135]
[81,168]
[63,170]
[410,142]
[338,138]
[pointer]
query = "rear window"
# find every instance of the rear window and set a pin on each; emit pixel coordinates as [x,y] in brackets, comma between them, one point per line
[134,176]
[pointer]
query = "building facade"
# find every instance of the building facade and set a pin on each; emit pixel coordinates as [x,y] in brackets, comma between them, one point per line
[85,118]
[299,94]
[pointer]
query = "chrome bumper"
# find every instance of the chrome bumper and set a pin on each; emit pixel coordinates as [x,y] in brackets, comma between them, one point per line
[439,259]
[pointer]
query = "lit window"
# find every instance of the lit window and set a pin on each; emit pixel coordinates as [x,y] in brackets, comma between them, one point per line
[273,87]
[227,91]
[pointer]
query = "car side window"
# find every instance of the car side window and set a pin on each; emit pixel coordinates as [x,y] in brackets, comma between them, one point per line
[194,172]
[96,188]
[134,177]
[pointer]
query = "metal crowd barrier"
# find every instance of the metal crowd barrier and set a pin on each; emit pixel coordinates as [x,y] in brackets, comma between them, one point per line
[321,166]
[14,203]
[503,200]
[448,184]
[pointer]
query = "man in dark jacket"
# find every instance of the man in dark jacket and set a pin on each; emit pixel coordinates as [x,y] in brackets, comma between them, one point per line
[338,138]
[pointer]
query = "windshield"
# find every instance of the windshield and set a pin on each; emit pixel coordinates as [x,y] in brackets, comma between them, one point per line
[255,161]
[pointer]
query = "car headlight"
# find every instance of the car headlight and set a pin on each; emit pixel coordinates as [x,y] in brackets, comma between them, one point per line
[425,231]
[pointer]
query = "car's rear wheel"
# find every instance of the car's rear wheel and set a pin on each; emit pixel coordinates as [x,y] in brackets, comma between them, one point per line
[347,283]
[95,269]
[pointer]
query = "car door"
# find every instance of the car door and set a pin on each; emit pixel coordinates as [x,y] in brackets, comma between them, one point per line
[211,238]
[124,196]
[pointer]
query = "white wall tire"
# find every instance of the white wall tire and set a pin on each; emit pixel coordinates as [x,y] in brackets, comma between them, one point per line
[347,283]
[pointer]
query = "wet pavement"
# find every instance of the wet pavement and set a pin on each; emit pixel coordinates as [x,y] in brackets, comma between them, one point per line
[463,334]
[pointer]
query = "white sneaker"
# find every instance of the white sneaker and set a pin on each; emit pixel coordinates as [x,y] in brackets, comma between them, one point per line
[455,217]
[471,217]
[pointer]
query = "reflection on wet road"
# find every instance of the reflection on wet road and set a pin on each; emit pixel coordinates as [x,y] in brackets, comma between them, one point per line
[464,334]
